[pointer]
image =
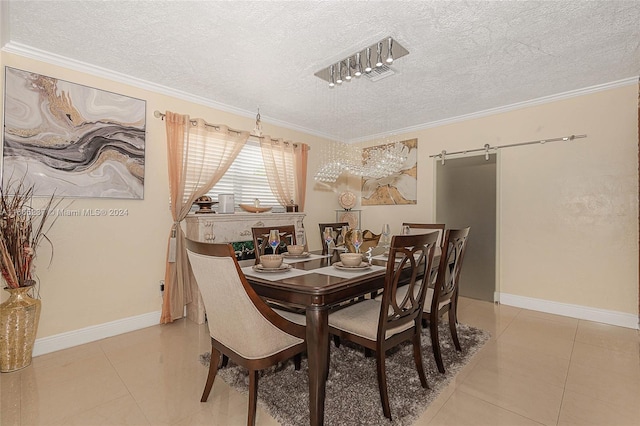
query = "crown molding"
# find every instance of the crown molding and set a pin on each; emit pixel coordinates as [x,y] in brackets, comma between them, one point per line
[62,61]
[53,59]
[502,109]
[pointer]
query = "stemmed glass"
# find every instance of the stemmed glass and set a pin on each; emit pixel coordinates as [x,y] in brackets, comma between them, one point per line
[274,239]
[386,231]
[406,230]
[327,234]
[357,239]
[342,238]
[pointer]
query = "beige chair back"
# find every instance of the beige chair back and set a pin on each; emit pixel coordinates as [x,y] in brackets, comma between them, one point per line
[233,317]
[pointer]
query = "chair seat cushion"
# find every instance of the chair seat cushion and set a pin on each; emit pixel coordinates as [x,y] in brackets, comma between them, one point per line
[292,316]
[361,319]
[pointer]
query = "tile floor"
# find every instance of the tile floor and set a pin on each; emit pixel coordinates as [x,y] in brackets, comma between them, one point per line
[538,369]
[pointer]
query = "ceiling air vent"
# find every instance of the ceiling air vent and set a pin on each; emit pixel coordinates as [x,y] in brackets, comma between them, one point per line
[378,73]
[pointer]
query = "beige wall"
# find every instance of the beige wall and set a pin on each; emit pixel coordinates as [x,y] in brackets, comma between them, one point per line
[568,229]
[108,268]
[568,212]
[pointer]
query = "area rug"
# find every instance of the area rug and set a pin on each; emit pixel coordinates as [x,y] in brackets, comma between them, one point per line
[352,396]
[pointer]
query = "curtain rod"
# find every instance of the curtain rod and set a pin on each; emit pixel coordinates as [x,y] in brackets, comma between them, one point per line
[488,147]
[160,115]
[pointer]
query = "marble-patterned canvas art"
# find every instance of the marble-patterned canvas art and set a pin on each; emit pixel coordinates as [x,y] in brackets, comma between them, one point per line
[72,140]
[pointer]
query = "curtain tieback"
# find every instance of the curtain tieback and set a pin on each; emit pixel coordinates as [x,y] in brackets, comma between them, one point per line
[172,243]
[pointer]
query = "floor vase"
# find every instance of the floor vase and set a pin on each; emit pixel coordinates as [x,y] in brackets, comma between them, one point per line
[19,317]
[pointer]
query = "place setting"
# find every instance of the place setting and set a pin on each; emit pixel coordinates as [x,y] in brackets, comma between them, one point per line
[272,268]
[350,265]
[296,253]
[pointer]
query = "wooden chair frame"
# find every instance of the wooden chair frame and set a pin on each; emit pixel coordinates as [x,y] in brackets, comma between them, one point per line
[445,292]
[337,227]
[218,349]
[394,313]
[261,237]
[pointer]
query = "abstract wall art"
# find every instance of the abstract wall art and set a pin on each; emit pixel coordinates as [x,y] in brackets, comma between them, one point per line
[399,188]
[72,140]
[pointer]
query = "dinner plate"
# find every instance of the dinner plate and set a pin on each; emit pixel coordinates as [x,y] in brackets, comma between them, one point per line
[282,268]
[363,265]
[296,256]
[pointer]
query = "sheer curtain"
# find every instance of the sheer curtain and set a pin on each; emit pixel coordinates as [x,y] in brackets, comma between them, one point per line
[286,167]
[198,154]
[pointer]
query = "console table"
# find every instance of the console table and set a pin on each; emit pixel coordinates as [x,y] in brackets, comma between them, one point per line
[232,228]
[236,227]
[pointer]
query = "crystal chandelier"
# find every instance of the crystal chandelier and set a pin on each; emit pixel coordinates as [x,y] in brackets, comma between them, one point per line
[370,163]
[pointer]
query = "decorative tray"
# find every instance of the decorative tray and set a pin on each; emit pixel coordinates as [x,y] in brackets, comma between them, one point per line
[296,256]
[363,265]
[253,209]
[259,268]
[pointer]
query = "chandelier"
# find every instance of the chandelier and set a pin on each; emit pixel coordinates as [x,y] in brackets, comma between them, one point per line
[372,61]
[370,163]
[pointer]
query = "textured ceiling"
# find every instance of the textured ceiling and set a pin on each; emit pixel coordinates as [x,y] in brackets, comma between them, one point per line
[465,57]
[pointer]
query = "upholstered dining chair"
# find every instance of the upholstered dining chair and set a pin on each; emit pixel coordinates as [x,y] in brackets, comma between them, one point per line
[337,229]
[261,238]
[241,325]
[443,297]
[439,227]
[379,325]
[428,226]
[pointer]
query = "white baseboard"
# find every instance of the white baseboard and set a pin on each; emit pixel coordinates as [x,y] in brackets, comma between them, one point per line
[620,319]
[96,332]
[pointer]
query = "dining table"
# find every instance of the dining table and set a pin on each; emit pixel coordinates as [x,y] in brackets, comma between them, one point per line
[317,284]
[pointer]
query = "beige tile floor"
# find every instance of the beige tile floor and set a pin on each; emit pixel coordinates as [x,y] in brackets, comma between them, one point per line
[538,369]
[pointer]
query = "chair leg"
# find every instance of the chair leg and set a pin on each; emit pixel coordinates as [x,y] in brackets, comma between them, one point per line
[382,383]
[253,397]
[452,326]
[417,357]
[213,369]
[297,361]
[435,344]
[225,361]
[425,323]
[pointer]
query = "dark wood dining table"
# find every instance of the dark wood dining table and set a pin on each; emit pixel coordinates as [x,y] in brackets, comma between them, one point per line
[318,294]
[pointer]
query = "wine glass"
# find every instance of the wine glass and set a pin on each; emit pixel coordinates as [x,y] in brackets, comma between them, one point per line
[386,231]
[274,239]
[357,239]
[327,234]
[406,230]
[343,237]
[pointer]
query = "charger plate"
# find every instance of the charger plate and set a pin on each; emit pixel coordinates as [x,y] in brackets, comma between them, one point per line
[363,265]
[282,268]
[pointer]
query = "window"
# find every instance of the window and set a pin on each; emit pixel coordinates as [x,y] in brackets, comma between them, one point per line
[246,178]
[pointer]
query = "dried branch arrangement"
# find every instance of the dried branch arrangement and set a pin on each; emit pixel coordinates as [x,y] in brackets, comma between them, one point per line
[23,227]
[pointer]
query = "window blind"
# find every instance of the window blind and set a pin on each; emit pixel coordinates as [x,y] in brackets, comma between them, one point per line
[246,178]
